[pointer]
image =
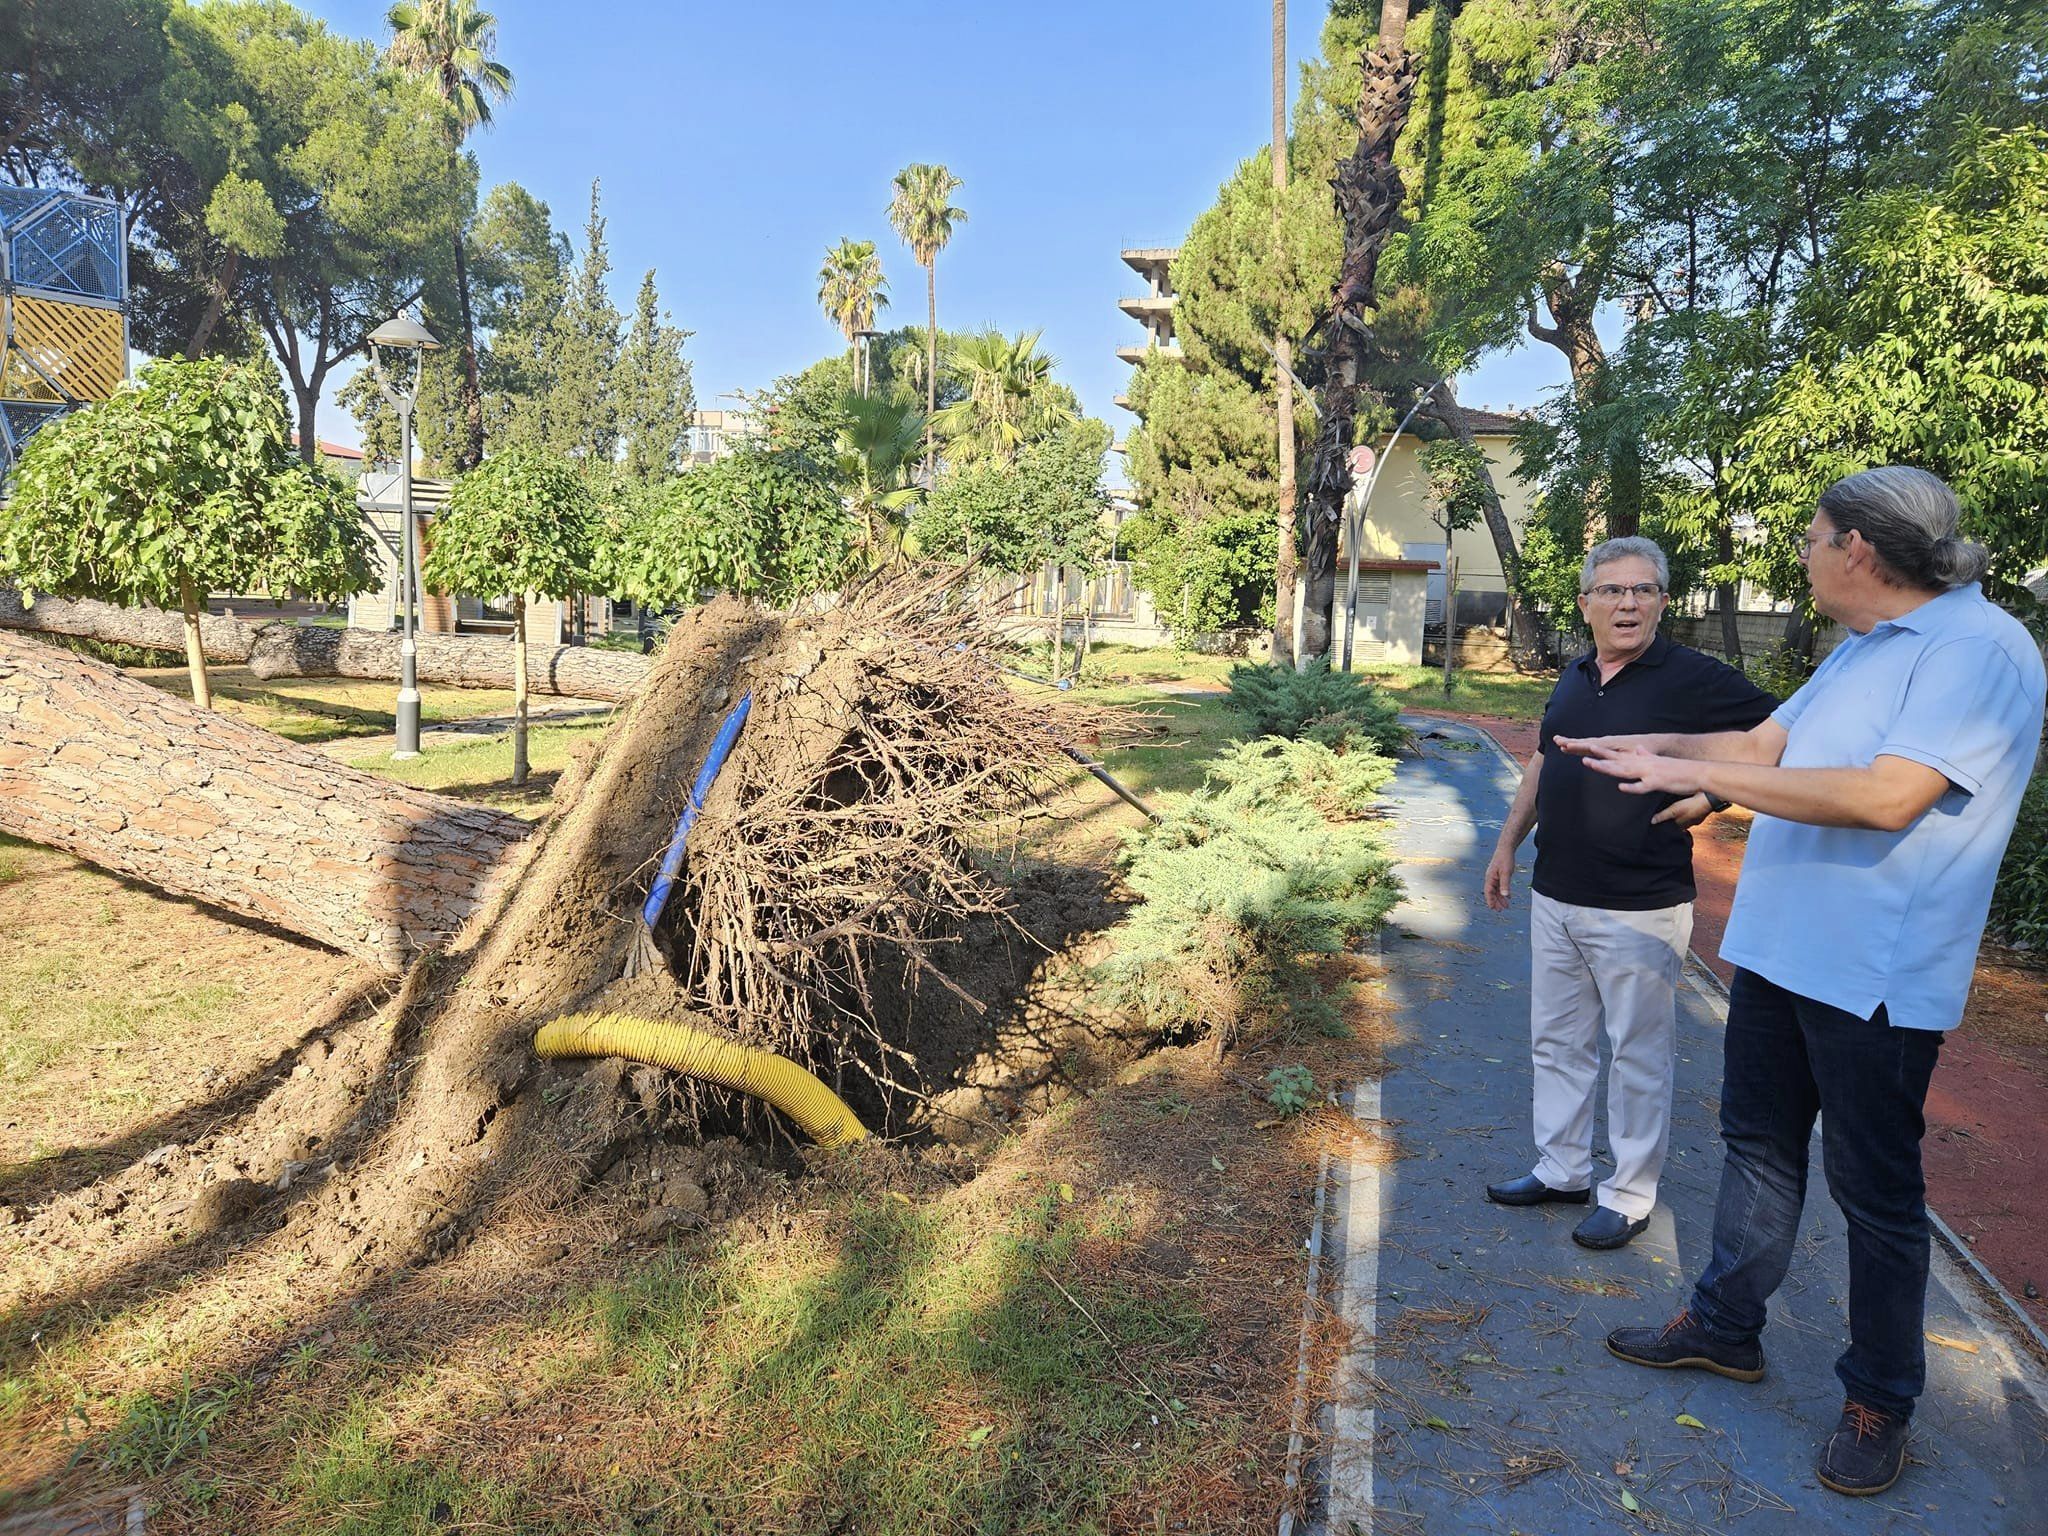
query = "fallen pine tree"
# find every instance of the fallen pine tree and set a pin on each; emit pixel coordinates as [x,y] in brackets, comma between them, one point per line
[279,649]
[198,804]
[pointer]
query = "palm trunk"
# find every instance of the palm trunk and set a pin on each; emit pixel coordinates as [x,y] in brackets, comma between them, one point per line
[1368,194]
[519,764]
[931,363]
[193,604]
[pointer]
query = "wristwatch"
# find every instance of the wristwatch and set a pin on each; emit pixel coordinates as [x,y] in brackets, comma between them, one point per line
[1715,804]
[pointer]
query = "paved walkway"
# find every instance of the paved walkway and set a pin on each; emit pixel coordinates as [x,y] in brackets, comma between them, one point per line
[1479,1397]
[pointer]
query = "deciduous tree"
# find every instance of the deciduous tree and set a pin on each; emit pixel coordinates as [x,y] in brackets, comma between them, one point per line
[181,485]
[521,523]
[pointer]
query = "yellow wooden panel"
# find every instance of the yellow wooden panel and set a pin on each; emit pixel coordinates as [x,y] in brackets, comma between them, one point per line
[75,346]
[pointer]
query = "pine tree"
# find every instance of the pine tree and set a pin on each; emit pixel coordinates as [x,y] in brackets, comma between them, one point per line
[653,390]
[580,410]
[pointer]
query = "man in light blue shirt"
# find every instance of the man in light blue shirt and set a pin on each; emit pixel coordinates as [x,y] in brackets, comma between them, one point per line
[1885,792]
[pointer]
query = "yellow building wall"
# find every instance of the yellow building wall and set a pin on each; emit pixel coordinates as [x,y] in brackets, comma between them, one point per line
[1397,517]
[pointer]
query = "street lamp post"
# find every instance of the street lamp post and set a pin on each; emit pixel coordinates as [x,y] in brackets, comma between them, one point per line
[863,360]
[403,334]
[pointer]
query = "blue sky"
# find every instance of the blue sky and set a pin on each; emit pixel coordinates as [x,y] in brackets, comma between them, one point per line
[736,142]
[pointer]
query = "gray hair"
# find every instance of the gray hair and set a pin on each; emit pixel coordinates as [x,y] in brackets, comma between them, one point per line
[1610,550]
[1909,518]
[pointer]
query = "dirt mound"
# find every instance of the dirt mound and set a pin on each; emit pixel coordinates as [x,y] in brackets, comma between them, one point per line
[840,906]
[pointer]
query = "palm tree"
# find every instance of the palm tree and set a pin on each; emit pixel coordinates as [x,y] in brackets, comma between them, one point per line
[448,43]
[924,219]
[1010,398]
[875,450]
[850,285]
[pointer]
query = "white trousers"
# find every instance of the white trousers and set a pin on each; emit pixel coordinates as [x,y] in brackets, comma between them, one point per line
[1590,966]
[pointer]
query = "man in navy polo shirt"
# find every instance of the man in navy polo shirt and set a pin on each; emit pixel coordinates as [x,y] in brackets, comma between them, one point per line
[1885,792]
[1612,911]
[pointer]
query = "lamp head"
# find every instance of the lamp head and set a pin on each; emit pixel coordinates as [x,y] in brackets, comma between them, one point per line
[403,333]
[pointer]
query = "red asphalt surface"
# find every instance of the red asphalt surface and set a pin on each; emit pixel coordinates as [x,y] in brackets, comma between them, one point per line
[1986,1147]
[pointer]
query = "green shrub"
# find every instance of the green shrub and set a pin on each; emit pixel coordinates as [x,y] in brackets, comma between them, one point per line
[1242,884]
[1270,770]
[1330,707]
[2019,906]
[1780,671]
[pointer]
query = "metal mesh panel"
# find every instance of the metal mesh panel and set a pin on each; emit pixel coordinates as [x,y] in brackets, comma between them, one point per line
[68,246]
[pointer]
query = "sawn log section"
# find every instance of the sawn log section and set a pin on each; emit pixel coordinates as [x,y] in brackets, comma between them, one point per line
[292,650]
[198,804]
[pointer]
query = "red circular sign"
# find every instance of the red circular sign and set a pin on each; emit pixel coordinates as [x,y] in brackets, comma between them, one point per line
[1362,459]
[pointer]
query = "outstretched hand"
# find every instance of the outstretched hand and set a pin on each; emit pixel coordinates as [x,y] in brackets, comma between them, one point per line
[1640,772]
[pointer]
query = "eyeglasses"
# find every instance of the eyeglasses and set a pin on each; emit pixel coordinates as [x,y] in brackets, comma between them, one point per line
[1806,541]
[1611,591]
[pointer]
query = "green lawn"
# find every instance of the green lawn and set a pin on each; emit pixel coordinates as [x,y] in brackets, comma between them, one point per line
[480,767]
[1507,695]
[317,709]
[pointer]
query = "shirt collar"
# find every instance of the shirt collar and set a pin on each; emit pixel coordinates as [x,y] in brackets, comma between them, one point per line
[1659,648]
[1930,614]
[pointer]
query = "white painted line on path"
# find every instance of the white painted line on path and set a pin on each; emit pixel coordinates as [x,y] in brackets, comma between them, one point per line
[1351,1464]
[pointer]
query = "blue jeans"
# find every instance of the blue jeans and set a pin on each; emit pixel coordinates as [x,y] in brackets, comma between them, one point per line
[1788,1058]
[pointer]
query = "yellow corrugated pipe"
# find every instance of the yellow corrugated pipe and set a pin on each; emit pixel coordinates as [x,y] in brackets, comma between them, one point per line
[819,1112]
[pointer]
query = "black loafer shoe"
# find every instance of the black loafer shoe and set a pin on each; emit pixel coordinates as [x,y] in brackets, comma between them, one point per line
[1865,1454]
[1683,1344]
[1530,1190]
[1606,1229]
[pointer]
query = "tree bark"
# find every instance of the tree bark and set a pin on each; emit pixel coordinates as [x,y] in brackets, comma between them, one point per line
[1283,359]
[201,805]
[1368,194]
[519,682]
[223,285]
[195,648]
[292,650]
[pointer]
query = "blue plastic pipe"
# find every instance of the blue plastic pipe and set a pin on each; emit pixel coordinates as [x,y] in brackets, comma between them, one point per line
[672,860]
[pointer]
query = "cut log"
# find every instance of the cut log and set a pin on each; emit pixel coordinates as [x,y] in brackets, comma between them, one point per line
[293,650]
[198,804]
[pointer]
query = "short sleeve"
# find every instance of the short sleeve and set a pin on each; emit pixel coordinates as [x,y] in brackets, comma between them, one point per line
[1728,701]
[1965,705]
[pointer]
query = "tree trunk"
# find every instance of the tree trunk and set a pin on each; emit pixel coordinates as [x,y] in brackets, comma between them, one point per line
[1729,593]
[1368,193]
[308,398]
[931,364]
[201,805]
[1525,628]
[1283,359]
[223,284]
[1450,608]
[292,650]
[195,648]
[1614,500]
[519,764]
[472,391]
